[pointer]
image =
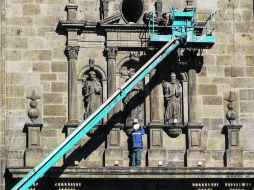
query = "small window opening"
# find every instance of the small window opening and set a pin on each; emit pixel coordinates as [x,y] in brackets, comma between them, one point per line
[132,10]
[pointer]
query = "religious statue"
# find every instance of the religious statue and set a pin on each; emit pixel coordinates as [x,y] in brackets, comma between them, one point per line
[132,104]
[92,92]
[173,100]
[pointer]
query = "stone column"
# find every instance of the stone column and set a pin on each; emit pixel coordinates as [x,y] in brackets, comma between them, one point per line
[111,53]
[156,153]
[158,8]
[113,153]
[195,152]
[72,54]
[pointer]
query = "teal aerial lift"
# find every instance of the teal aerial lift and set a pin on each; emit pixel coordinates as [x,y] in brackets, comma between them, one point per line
[182,32]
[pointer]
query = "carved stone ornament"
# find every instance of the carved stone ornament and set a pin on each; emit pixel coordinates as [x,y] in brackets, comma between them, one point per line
[72,52]
[111,52]
[231,114]
[174,130]
[33,112]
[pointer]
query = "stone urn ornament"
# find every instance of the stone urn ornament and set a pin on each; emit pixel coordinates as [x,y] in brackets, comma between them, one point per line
[231,114]
[33,112]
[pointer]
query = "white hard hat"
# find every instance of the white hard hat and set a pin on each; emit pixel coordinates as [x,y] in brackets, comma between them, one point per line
[136,127]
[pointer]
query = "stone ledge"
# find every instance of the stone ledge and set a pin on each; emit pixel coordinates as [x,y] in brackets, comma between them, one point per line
[141,173]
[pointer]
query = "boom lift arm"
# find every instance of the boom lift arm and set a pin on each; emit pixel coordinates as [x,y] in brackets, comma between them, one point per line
[44,165]
[182,30]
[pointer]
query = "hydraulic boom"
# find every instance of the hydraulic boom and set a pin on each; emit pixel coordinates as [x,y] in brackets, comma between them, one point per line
[43,166]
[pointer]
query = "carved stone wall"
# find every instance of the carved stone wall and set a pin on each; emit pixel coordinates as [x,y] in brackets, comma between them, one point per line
[33,43]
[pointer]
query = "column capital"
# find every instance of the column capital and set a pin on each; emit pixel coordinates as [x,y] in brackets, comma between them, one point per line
[72,52]
[111,52]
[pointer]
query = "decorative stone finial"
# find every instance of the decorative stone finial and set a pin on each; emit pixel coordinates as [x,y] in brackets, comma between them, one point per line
[231,114]
[33,112]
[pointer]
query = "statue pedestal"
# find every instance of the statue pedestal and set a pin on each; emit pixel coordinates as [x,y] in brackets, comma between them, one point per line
[157,155]
[234,153]
[114,154]
[70,157]
[196,156]
[33,152]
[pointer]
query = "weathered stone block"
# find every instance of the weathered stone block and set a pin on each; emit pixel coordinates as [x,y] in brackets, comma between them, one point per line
[249,60]
[215,158]
[249,72]
[59,87]
[246,94]
[216,124]
[234,71]
[196,158]
[247,107]
[155,156]
[21,21]
[31,9]
[17,43]
[52,98]
[207,89]
[33,156]
[113,155]
[41,31]
[45,21]
[59,67]
[54,110]
[46,132]
[175,158]
[15,103]
[49,142]
[54,122]
[15,91]
[38,55]
[234,158]
[41,67]
[224,60]
[49,77]
[212,100]
[13,55]
[20,31]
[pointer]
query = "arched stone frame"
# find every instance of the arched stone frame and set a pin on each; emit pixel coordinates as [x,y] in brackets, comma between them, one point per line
[102,73]
[121,79]
[141,15]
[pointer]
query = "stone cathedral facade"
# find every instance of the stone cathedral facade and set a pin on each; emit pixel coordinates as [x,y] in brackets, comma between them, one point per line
[61,59]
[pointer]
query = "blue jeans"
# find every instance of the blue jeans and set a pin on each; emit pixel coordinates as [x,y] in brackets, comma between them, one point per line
[136,157]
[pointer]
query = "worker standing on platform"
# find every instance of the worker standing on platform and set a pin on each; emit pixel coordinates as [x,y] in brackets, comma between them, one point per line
[137,143]
[168,18]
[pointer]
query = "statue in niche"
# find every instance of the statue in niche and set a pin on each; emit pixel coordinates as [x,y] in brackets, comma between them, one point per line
[92,93]
[173,100]
[132,104]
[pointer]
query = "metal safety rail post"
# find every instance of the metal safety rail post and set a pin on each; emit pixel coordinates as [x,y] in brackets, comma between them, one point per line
[44,165]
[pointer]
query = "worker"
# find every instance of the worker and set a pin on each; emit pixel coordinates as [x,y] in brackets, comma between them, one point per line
[168,18]
[136,134]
